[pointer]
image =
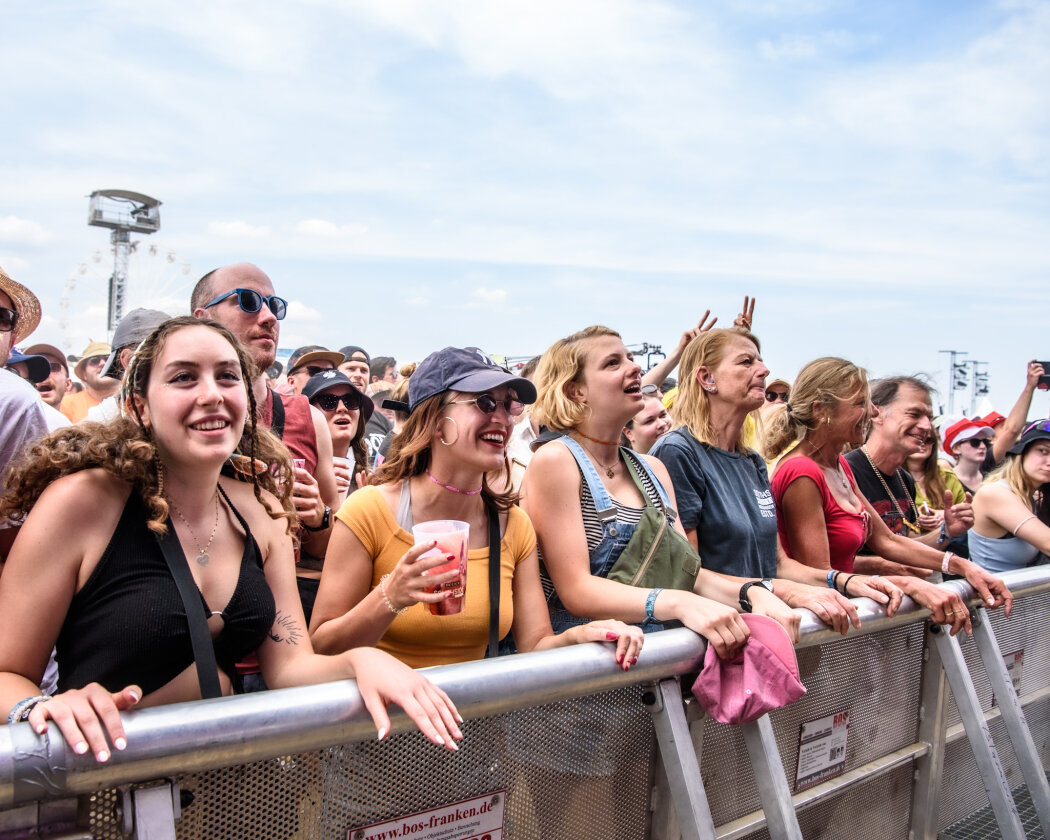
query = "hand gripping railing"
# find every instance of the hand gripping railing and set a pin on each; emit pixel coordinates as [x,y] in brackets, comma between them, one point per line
[191,737]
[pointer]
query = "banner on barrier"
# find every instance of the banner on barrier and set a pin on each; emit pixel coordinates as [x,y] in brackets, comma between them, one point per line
[480,818]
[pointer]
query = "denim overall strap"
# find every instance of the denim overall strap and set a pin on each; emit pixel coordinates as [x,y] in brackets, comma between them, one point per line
[603,504]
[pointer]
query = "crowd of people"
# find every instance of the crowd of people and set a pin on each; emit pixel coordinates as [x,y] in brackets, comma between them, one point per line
[245,525]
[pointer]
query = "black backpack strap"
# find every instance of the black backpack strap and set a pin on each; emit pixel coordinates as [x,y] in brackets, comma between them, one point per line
[494,570]
[200,637]
[277,418]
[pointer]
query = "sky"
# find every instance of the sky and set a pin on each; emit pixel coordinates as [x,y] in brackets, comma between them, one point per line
[419,173]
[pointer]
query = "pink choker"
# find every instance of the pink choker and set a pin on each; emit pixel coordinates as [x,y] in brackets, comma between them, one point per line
[451,488]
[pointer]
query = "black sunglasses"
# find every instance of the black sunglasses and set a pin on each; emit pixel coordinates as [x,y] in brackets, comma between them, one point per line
[330,402]
[8,319]
[251,301]
[313,370]
[487,404]
[773,396]
[976,442]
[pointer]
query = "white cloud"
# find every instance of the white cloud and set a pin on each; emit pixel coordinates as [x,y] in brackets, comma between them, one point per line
[12,264]
[320,227]
[418,302]
[489,297]
[791,47]
[239,229]
[299,311]
[23,231]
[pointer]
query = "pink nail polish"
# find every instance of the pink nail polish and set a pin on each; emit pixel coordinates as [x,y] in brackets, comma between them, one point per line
[611,636]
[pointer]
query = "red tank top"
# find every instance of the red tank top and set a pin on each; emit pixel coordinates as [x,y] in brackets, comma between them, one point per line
[297,430]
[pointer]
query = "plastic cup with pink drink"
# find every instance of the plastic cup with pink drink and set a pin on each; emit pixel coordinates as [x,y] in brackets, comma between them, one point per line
[453,537]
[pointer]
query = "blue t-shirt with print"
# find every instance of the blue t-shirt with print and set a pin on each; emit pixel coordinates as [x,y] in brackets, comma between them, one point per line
[726,497]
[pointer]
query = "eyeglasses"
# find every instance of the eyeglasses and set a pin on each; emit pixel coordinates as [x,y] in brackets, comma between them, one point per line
[251,301]
[487,404]
[976,442]
[93,361]
[773,396]
[8,319]
[313,370]
[330,402]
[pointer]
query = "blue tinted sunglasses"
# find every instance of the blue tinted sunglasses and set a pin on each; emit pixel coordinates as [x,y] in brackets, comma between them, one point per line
[251,301]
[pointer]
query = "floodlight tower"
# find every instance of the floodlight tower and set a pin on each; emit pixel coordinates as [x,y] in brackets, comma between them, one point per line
[122,211]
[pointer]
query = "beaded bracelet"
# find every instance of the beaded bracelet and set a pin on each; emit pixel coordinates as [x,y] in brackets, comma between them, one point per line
[20,711]
[945,561]
[389,603]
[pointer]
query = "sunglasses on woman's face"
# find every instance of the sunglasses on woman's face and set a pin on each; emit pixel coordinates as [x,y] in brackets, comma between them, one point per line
[8,319]
[773,396]
[251,301]
[487,404]
[330,402]
[977,443]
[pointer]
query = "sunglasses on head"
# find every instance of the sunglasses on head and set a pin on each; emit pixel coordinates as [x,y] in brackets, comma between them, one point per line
[251,301]
[976,442]
[1041,425]
[487,404]
[8,319]
[330,402]
[773,396]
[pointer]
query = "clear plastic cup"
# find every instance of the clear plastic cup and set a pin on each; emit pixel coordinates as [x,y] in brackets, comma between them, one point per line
[344,475]
[453,537]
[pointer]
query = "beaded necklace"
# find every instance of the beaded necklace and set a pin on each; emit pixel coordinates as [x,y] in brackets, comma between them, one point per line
[597,440]
[915,529]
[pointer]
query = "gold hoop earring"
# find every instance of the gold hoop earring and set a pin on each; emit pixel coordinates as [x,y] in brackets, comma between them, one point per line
[441,437]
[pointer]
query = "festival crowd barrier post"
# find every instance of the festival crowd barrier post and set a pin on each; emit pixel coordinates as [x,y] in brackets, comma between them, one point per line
[903,732]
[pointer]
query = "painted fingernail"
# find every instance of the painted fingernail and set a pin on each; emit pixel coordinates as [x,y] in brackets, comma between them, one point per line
[135,696]
[634,661]
[80,747]
[459,718]
[120,744]
[102,756]
[611,636]
[382,733]
[450,556]
[457,734]
[41,729]
[452,745]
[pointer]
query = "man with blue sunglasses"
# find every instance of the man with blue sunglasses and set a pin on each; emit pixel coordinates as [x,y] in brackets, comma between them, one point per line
[241,297]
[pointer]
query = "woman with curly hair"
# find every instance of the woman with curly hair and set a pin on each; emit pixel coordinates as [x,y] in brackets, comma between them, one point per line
[145,491]
[448,462]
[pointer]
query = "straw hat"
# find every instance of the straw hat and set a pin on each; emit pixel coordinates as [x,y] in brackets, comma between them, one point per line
[25,303]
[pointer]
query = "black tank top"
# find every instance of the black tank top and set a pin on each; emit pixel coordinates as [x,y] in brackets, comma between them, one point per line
[127,625]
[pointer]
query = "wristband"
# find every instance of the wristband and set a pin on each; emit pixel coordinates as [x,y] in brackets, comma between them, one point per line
[20,711]
[944,532]
[945,561]
[831,578]
[650,605]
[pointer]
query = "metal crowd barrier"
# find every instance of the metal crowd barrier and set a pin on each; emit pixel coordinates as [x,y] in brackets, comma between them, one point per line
[898,736]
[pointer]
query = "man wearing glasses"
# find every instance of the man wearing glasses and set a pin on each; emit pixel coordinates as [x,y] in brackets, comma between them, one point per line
[241,298]
[309,361]
[96,387]
[52,389]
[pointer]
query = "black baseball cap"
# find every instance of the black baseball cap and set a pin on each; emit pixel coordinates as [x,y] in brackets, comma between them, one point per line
[466,369]
[321,382]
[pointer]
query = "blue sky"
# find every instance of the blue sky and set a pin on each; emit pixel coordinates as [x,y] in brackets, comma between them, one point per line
[416,174]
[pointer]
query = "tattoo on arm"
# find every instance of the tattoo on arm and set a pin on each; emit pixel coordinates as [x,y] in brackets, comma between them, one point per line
[285,629]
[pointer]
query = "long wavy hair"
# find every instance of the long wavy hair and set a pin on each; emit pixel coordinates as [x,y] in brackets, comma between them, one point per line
[692,407]
[410,455]
[1035,496]
[124,448]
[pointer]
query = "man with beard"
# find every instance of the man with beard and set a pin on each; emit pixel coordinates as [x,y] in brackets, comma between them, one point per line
[241,298]
[53,389]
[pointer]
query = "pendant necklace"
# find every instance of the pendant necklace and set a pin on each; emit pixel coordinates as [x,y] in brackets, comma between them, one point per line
[202,558]
[607,467]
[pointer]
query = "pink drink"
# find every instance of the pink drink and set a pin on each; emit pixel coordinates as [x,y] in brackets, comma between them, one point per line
[453,537]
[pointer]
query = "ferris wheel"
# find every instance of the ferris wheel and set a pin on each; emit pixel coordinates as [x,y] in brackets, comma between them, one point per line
[157,278]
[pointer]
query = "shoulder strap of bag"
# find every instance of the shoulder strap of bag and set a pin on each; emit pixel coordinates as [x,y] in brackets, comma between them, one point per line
[277,420]
[494,570]
[200,637]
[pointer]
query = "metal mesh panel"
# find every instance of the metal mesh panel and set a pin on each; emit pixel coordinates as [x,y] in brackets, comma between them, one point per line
[963,792]
[852,816]
[558,783]
[882,698]
[1028,629]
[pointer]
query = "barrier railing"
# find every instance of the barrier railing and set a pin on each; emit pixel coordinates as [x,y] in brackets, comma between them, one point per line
[562,745]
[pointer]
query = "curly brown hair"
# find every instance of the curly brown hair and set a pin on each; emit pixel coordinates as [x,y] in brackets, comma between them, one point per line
[124,449]
[409,453]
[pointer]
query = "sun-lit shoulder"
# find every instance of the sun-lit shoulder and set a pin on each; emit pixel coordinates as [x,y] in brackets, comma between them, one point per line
[84,496]
[242,495]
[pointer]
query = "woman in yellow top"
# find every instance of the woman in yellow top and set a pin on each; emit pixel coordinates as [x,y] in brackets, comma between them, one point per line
[373,588]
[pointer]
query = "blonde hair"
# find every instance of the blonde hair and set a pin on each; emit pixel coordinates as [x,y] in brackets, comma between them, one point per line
[561,364]
[692,406]
[824,381]
[1012,472]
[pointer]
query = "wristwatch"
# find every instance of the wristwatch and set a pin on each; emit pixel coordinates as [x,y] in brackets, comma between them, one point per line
[326,520]
[745,601]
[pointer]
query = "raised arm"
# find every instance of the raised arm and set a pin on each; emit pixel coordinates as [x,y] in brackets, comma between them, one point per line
[1011,428]
[666,367]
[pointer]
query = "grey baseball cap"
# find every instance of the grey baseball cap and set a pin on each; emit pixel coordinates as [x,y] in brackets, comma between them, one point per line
[130,332]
